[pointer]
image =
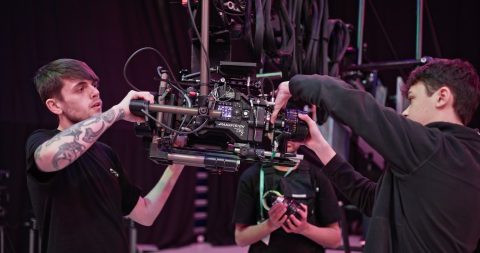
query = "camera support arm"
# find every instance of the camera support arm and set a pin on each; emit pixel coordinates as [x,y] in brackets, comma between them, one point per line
[136,107]
[219,161]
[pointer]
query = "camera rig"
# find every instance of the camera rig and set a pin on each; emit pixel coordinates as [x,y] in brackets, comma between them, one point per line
[217,130]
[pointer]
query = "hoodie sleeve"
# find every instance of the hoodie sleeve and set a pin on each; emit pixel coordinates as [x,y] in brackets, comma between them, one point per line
[405,144]
[356,188]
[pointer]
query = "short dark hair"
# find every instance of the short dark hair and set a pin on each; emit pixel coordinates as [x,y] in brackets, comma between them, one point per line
[456,74]
[49,78]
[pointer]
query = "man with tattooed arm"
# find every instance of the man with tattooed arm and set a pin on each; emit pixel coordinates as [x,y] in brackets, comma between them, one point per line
[78,189]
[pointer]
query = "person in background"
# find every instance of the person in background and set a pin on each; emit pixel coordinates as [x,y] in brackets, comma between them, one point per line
[313,228]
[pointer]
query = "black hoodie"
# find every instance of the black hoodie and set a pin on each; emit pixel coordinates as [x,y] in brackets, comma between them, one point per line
[428,199]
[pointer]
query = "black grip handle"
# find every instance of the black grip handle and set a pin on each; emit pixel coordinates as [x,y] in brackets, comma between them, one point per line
[137,105]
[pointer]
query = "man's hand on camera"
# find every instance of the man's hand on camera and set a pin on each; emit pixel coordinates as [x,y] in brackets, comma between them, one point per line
[124,109]
[296,225]
[281,99]
[315,137]
[315,140]
[276,216]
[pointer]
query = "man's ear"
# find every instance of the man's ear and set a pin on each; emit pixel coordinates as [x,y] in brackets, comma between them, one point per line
[444,97]
[53,105]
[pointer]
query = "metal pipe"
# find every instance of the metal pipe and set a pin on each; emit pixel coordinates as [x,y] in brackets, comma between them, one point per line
[192,160]
[294,157]
[181,110]
[208,160]
[419,30]
[133,236]
[161,99]
[360,28]
[204,72]
[2,240]
[389,64]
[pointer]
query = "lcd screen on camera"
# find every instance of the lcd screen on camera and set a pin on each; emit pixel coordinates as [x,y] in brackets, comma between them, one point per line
[226,111]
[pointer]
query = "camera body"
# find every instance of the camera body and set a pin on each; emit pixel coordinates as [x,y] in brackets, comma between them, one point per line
[271,198]
[218,130]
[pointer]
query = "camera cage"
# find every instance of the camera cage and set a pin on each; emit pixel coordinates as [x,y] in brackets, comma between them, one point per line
[217,131]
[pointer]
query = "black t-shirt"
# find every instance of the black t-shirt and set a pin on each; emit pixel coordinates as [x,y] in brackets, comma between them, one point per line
[317,193]
[81,207]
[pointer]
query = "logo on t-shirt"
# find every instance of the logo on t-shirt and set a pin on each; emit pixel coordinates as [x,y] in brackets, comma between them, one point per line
[113,172]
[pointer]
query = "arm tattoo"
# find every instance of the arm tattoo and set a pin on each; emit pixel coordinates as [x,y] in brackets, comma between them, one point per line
[121,114]
[91,136]
[70,151]
[67,152]
[70,132]
[109,116]
[89,121]
[74,131]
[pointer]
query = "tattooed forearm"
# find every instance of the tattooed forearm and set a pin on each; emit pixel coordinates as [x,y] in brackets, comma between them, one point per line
[121,114]
[109,116]
[67,153]
[88,122]
[91,136]
[73,131]
[68,145]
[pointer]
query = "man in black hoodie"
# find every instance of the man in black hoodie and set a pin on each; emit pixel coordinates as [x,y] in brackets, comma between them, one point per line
[428,199]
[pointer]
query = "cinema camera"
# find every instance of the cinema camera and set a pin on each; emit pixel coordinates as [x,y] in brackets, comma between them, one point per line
[217,131]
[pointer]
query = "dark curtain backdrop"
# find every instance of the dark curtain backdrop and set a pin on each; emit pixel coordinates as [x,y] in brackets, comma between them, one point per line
[450,30]
[104,33]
